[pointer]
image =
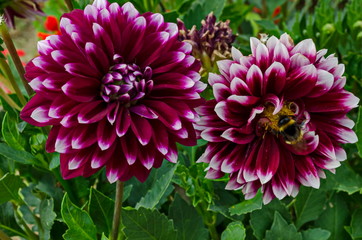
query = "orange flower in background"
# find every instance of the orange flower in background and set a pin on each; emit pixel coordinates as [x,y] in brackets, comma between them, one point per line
[51,24]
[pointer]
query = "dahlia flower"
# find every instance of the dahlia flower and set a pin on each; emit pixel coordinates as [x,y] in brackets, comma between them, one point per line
[278,118]
[21,9]
[118,88]
[211,43]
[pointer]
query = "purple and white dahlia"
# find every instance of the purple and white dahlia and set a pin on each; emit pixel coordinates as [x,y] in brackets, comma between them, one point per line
[118,88]
[21,9]
[278,118]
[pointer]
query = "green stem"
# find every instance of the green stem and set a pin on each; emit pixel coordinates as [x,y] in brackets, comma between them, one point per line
[117,211]
[14,55]
[9,75]
[69,5]
[13,230]
[31,235]
[9,100]
[213,232]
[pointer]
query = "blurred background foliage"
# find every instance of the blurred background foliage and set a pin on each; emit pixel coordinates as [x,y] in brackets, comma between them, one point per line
[176,201]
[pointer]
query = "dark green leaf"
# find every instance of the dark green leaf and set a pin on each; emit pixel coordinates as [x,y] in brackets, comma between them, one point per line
[234,231]
[47,217]
[358,129]
[334,218]
[158,188]
[104,237]
[247,206]
[11,133]
[16,155]
[78,221]
[101,210]
[188,223]
[280,230]
[356,224]
[145,224]
[261,220]
[309,205]
[9,188]
[316,234]
[7,221]
[200,9]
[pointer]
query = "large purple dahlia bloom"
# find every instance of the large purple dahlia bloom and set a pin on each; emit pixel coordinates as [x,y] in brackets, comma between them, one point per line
[118,88]
[278,118]
[21,9]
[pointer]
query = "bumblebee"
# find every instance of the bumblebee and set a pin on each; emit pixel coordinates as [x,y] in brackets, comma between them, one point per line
[290,129]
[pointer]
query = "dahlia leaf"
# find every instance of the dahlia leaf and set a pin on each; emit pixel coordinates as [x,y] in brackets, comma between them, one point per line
[334,217]
[200,9]
[11,133]
[78,221]
[9,188]
[147,224]
[316,234]
[188,223]
[356,227]
[234,231]
[359,131]
[104,237]
[16,155]
[309,205]
[345,180]
[261,220]
[101,211]
[158,189]
[47,217]
[281,230]
[247,205]
[8,222]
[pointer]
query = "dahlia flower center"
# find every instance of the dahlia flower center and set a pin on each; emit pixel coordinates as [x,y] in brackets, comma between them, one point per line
[126,82]
[282,123]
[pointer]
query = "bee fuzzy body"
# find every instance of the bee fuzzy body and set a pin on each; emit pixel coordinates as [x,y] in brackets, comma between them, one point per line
[290,130]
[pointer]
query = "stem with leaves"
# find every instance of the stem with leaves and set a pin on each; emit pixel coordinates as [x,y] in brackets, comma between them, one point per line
[117,211]
[14,55]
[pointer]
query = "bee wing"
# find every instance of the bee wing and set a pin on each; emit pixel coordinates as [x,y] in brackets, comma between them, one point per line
[307,144]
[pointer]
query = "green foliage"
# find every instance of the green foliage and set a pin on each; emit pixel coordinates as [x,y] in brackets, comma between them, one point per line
[280,230]
[78,221]
[101,210]
[316,234]
[234,231]
[9,187]
[358,129]
[310,203]
[188,223]
[356,226]
[247,206]
[147,224]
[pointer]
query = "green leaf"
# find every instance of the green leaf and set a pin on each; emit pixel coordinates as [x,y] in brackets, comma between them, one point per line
[247,205]
[356,224]
[78,221]
[234,231]
[200,9]
[346,179]
[158,188]
[188,223]
[104,237]
[261,220]
[7,221]
[101,210]
[47,217]
[358,129]
[9,188]
[334,218]
[280,230]
[11,133]
[143,224]
[309,204]
[316,234]
[16,155]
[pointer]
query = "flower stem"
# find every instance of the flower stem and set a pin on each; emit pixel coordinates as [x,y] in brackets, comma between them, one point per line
[213,232]
[69,4]
[117,211]
[9,100]
[8,74]
[14,55]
